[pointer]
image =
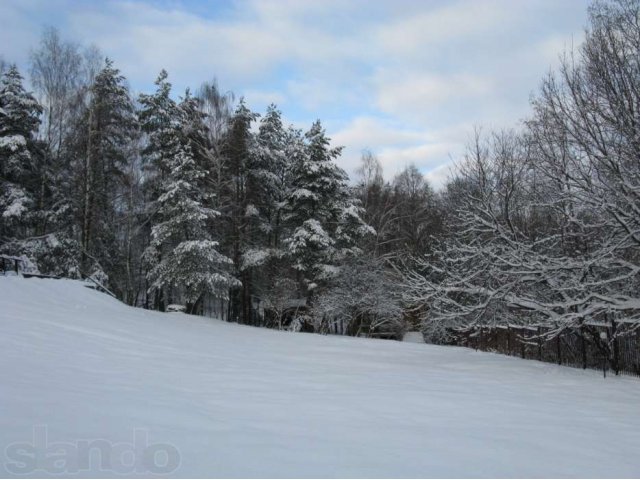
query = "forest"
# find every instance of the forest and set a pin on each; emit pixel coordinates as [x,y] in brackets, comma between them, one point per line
[192,201]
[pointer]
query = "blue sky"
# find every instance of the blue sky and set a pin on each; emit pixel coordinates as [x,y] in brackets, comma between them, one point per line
[407,79]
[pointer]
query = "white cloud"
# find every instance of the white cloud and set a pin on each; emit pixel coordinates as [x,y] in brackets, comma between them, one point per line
[424,155]
[419,93]
[439,175]
[253,39]
[18,31]
[371,132]
[404,78]
[145,38]
[258,99]
[395,146]
[428,29]
[548,51]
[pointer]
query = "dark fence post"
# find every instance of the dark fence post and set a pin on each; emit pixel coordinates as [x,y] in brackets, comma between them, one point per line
[617,351]
[583,343]
[539,343]
[614,339]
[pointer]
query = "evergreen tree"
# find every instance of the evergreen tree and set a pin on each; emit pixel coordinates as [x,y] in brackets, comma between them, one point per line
[269,173]
[239,150]
[325,216]
[188,262]
[19,121]
[184,260]
[103,137]
[25,184]
[158,120]
[318,180]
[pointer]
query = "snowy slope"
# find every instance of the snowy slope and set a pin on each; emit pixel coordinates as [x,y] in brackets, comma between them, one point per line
[242,401]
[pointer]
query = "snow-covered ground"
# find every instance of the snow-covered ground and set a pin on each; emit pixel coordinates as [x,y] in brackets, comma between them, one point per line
[237,401]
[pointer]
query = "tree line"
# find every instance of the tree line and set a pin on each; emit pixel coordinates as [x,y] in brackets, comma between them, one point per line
[189,199]
[543,221]
[200,201]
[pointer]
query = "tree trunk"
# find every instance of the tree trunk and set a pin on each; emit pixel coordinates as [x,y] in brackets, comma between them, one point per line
[88,184]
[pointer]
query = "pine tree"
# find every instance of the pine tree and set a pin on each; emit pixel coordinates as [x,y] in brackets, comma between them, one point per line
[19,121]
[325,216]
[159,121]
[318,181]
[104,137]
[269,176]
[190,264]
[269,173]
[25,184]
[239,150]
[184,260]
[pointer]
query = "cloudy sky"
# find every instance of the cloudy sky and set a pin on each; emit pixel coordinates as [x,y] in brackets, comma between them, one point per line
[407,79]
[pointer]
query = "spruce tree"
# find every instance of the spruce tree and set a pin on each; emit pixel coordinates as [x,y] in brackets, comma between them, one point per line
[239,151]
[104,138]
[269,173]
[26,208]
[19,121]
[268,177]
[184,260]
[158,121]
[325,216]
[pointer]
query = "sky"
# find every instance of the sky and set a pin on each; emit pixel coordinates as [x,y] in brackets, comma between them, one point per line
[405,79]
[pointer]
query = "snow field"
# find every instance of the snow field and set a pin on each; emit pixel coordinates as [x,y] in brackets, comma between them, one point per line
[238,401]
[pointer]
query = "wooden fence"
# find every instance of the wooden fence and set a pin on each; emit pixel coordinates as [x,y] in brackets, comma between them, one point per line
[613,347]
[10,264]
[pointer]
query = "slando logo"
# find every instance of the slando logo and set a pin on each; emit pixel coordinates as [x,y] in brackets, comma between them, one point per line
[83,455]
